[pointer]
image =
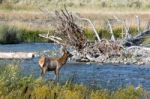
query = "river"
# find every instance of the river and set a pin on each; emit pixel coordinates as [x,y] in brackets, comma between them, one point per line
[109,76]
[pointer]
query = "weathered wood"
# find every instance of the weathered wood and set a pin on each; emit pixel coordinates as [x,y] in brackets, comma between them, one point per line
[111,31]
[103,50]
[72,34]
[55,39]
[94,29]
[137,40]
[16,55]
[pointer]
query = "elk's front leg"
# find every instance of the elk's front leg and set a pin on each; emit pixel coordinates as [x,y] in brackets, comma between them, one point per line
[57,74]
[43,72]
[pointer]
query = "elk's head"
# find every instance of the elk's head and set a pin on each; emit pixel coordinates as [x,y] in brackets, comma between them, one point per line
[69,54]
[64,50]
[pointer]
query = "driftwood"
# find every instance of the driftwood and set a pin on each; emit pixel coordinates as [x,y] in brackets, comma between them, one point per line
[137,40]
[90,22]
[75,36]
[55,39]
[16,55]
[128,39]
[70,34]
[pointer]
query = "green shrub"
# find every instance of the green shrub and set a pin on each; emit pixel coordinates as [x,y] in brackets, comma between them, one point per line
[9,35]
[89,34]
[13,35]
[146,41]
[31,36]
[104,33]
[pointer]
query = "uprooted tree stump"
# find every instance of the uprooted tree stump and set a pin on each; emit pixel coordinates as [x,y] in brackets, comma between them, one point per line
[70,34]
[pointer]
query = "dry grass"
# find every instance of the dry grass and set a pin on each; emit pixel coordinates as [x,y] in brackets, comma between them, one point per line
[82,3]
[26,14]
[39,20]
[27,11]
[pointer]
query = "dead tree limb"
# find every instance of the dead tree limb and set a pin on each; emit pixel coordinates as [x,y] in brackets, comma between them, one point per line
[111,31]
[58,40]
[137,40]
[94,29]
[127,28]
[138,21]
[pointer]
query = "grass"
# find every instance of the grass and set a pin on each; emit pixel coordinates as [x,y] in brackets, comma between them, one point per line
[15,85]
[79,3]
[28,36]
[105,33]
[13,35]
[26,18]
[9,35]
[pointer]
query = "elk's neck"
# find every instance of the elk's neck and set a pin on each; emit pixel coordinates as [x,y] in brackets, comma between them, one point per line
[63,59]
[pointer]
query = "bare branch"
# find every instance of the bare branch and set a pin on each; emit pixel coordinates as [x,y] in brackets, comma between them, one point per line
[138,21]
[58,40]
[111,32]
[94,29]
[127,27]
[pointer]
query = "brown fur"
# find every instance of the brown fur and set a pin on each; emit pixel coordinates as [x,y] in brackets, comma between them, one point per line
[53,64]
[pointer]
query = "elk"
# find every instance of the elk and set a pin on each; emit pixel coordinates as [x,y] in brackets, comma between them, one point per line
[53,64]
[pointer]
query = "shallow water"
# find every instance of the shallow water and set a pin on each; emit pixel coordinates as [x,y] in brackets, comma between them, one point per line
[109,76]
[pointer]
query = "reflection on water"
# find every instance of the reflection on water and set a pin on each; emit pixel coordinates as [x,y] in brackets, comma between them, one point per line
[106,76]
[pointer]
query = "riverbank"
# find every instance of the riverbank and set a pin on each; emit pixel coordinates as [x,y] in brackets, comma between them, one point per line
[15,85]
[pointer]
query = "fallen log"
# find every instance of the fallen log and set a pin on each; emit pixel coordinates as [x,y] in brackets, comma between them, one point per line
[16,55]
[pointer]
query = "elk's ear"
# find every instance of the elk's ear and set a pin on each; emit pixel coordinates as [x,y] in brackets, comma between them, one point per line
[42,61]
[63,48]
